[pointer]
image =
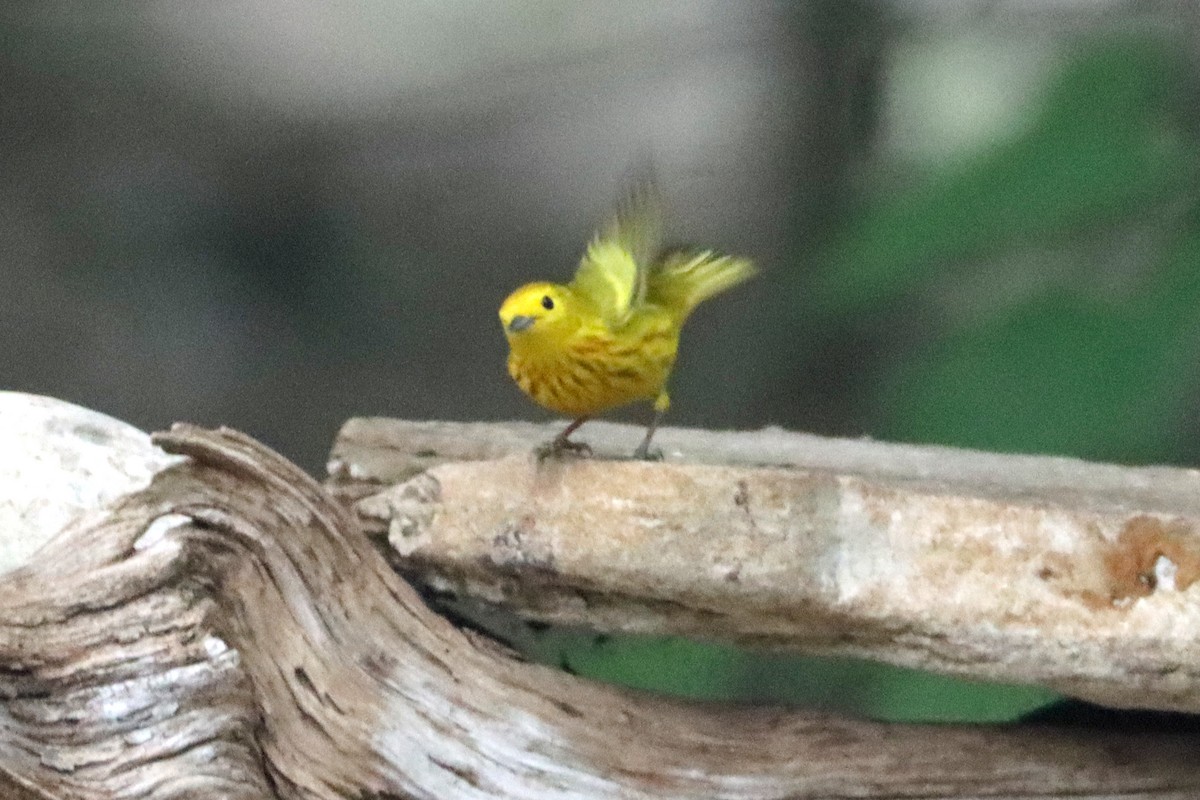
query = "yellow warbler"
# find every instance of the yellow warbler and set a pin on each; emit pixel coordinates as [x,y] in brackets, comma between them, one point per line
[609,337]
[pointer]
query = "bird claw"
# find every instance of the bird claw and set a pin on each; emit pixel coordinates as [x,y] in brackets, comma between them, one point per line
[644,453]
[561,445]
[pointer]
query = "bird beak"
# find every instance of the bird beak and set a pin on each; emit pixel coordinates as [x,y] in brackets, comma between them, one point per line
[520,323]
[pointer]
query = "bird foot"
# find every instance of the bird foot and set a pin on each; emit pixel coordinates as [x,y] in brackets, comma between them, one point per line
[561,445]
[645,453]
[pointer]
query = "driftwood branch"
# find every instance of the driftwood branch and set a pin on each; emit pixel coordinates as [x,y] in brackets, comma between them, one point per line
[225,630]
[1050,571]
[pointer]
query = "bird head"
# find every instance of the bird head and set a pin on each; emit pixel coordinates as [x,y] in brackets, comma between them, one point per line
[538,312]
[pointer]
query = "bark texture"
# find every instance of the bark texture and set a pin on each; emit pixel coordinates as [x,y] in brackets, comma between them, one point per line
[1051,571]
[227,631]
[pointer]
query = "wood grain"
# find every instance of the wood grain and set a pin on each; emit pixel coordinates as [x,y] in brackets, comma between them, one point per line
[227,631]
[1076,576]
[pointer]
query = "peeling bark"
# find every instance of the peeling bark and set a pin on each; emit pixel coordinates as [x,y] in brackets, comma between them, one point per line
[227,631]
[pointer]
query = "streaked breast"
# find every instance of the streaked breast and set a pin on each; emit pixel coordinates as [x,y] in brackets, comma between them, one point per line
[594,373]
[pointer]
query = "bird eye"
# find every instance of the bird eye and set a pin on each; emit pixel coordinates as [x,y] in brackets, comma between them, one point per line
[547,303]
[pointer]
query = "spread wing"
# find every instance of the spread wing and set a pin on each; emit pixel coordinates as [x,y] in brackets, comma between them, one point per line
[612,274]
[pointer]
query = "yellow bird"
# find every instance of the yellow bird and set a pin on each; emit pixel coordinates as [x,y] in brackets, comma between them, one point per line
[609,337]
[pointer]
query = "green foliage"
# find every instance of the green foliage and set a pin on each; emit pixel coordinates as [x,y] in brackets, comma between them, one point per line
[1098,357]
[882,691]
[667,665]
[1108,141]
[702,670]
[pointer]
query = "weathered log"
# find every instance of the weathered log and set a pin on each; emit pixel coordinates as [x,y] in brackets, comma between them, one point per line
[1021,569]
[227,631]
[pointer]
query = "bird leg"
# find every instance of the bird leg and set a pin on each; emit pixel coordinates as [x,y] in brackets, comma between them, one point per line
[562,443]
[643,450]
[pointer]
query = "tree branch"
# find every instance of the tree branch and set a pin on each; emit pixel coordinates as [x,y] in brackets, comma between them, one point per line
[226,631]
[1021,569]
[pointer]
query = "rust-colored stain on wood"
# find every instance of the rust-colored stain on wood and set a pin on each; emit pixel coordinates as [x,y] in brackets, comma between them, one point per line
[1130,562]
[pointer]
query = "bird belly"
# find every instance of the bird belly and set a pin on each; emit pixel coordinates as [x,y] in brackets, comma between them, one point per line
[590,379]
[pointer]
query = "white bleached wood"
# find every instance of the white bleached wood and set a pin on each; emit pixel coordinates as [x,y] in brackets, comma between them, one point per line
[59,461]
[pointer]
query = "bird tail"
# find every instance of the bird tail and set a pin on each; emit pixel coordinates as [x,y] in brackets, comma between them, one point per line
[682,280]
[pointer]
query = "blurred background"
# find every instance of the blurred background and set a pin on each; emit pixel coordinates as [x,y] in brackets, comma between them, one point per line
[978,222]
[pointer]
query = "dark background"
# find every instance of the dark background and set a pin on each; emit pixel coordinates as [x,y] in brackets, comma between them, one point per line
[978,224]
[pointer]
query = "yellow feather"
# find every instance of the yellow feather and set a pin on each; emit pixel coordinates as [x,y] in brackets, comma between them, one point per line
[610,337]
[612,273]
